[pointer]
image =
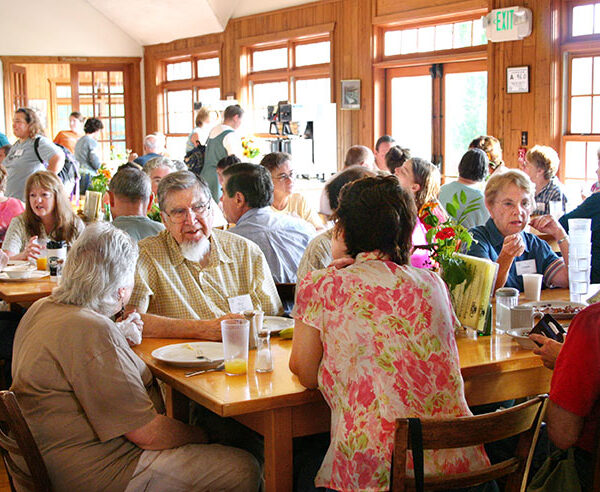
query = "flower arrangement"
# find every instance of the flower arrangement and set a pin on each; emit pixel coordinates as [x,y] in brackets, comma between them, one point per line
[100,181]
[446,238]
[250,150]
[154,213]
[119,156]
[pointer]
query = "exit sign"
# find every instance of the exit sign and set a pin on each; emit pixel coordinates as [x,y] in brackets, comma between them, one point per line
[508,24]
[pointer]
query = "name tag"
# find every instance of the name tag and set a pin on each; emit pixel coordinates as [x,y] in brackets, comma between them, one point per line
[526,266]
[240,303]
[18,153]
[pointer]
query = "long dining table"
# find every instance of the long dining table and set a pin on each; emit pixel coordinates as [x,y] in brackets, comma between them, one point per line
[277,406]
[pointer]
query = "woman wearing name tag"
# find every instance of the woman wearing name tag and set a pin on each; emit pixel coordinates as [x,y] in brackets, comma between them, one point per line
[509,197]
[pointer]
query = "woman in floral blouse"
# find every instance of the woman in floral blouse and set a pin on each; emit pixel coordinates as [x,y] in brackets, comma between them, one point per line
[377,338]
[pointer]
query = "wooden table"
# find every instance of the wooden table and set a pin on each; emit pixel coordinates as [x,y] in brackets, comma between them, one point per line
[279,408]
[27,291]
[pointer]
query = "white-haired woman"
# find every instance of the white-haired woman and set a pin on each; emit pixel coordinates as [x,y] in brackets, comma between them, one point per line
[73,369]
[509,198]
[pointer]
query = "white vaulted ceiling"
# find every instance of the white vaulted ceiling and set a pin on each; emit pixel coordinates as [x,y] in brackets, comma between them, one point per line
[161,21]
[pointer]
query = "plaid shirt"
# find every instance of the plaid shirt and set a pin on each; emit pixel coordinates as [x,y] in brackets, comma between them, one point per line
[168,285]
[552,192]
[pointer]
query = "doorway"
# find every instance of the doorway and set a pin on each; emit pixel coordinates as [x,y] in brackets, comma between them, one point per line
[437,109]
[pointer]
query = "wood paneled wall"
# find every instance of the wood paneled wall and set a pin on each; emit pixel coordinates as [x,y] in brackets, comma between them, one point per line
[353,40]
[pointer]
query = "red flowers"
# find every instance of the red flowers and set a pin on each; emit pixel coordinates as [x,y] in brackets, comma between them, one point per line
[446,233]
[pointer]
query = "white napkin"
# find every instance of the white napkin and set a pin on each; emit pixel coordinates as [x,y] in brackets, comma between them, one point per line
[132,328]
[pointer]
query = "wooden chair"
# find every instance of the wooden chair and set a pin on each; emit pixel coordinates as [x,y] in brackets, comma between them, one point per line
[21,443]
[523,420]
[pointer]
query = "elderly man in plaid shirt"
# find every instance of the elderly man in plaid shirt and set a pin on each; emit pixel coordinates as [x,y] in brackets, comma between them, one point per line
[190,277]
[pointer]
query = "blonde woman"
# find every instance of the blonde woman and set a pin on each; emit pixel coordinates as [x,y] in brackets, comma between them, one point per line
[199,134]
[48,215]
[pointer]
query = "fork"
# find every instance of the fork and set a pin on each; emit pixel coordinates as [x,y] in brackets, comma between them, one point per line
[220,367]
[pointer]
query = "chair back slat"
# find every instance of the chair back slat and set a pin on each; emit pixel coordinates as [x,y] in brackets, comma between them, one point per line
[21,443]
[468,431]
[523,420]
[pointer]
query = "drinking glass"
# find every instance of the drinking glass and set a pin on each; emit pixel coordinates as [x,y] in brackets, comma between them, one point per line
[235,345]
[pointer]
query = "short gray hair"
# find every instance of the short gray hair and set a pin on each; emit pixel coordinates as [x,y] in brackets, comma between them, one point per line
[101,261]
[499,181]
[181,180]
[154,142]
[132,184]
[157,162]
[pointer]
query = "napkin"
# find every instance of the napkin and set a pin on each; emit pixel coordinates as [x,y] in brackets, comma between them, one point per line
[132,328]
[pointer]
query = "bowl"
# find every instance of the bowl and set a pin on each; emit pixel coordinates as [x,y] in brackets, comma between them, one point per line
[522,338]
[19,271]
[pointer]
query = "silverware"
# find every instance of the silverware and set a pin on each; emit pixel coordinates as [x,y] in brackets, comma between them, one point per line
[220,367]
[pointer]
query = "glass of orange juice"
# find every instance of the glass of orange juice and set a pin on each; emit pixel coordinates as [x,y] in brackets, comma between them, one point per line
[42,262]
[235,345]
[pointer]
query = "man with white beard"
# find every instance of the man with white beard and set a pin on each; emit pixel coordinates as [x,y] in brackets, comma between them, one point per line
[190,277]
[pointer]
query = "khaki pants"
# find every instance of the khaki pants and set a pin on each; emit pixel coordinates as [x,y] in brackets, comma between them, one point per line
[196,467]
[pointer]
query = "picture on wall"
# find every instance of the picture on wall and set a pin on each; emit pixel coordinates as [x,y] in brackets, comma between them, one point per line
[351,94]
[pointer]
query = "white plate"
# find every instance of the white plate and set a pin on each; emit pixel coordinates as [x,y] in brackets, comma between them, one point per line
[277,323]
[186,354]
[18,262]
[34,275]
[539,305]
[523,340]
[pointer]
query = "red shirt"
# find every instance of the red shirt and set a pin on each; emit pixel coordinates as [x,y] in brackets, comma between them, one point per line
[576,380]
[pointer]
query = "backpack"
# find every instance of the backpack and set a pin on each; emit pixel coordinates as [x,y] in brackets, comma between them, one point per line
[69,174]
[194,159]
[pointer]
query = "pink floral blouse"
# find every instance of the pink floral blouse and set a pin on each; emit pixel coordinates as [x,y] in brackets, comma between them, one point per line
[388,351]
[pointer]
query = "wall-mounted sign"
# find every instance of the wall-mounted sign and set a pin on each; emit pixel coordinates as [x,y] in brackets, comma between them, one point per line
[517,80]
[508,24]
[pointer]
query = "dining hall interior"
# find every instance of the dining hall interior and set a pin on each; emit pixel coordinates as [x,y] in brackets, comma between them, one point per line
[300,245]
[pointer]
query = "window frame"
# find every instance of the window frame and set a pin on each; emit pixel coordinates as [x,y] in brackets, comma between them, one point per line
[291,73]
[567,27]
[194,83]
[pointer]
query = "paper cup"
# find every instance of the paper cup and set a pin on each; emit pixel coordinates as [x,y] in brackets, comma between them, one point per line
[532,284]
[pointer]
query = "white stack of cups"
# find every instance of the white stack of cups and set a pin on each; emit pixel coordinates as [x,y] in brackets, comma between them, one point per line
[580,254]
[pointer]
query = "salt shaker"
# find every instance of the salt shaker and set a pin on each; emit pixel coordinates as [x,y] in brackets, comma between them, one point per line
[506,298]
[264,360]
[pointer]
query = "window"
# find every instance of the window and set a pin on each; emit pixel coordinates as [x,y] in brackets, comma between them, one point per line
[435,108]
[62,94]
[102,95]
[434,38]
[582,136]
[585,20]
[295,70]
[189,81]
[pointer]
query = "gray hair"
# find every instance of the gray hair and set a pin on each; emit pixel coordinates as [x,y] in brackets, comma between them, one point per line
[132,184]
[499,181]
[101,261]
[154,142]
[179,165]
[157,162]
[181,180]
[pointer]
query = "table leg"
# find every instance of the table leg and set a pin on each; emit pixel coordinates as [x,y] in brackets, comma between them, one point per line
[279,463]
[177,404]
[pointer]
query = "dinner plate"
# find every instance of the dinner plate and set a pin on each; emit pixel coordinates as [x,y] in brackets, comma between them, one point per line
[277,323]
[554,308]
[34,275]
[186,354]
[17,262]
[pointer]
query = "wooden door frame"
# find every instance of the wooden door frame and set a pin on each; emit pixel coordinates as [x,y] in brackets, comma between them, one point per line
[131,67]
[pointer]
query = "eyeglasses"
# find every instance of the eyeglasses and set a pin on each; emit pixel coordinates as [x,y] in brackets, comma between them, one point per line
[283,176]
[178,215]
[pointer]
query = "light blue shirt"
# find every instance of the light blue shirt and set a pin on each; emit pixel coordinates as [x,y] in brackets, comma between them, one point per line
[473,219]
[281,237]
